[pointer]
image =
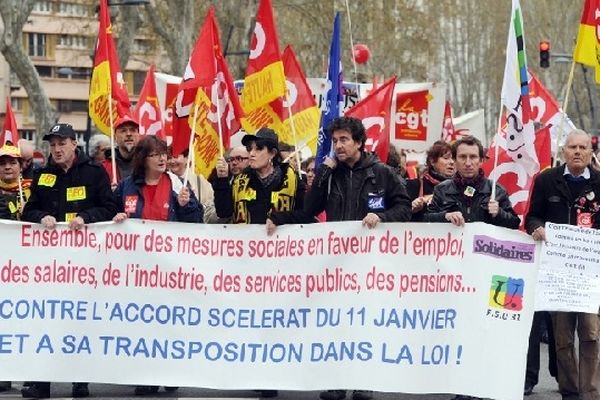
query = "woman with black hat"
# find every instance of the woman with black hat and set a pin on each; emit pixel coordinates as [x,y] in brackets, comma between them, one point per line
[267,185]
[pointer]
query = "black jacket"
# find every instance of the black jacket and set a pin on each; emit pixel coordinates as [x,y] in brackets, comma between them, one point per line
[552,201]
[448,198]
[252,203]
[369,186]
[82,191]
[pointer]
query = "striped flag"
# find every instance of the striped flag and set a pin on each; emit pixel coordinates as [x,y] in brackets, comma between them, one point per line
[520,133]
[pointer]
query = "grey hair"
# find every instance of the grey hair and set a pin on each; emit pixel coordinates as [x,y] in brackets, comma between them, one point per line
[96,141]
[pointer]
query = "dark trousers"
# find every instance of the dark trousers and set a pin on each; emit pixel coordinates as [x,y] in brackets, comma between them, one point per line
[540,318]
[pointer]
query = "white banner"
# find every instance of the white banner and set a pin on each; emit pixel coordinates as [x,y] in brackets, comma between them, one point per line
[569,278]
[315,307]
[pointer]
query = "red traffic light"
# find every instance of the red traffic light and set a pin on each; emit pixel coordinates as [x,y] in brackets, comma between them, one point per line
[544,45]
[544,54]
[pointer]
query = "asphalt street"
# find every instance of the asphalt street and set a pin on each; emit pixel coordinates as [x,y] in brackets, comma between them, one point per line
[545,390]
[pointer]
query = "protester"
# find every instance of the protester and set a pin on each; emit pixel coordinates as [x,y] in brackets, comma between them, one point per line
[14,189]
[70,188]
[26,149]
[127,135]
[199,184]
[362,188]
[467,196]
[439,166]
[541,321]
[569,194]
[308,166]
[98,145]
[151,192]
[238,160]
[267,185]
[288,154]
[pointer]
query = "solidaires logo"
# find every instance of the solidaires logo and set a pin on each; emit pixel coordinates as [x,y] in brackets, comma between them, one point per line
[506,293]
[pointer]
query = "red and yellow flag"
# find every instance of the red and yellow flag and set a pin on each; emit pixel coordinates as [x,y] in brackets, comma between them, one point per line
[10,133]
[265,79]
[304,108]
[108,92]
[216,107]
[587,48]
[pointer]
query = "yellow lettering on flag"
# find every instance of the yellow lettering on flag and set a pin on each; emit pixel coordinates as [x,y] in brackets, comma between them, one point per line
[264,86]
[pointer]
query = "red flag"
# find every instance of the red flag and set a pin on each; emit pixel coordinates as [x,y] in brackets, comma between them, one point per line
[10,133]
[512,175]
[448,131]
[107,79]
[410,108]
[265,78]
[211,106]
[147,111]
[375,113]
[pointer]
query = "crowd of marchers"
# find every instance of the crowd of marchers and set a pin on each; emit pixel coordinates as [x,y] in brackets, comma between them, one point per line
[260,182]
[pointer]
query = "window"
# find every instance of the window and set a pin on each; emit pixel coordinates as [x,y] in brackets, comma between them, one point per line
[36,44]
[69,106]
[44,71]
[16,103]
[143,46]
[42,6]
[73,9]
[139,78]
[73,41]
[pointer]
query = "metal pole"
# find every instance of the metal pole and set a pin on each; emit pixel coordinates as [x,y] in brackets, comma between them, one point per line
[594,127]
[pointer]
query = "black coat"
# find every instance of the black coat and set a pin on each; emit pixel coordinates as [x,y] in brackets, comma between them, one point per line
[255,209]
[369,186]
[82,191]
[448,198]
[552,201]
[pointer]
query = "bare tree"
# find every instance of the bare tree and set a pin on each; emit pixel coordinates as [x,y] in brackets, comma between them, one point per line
[14,15]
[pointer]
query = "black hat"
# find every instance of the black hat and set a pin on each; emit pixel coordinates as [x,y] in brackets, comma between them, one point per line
[265,134]
[62,130]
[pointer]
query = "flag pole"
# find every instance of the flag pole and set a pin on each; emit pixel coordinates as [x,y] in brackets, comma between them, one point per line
[496,150]
[113,162]
[352,51]
[564,109]
[191,144]
[293,126]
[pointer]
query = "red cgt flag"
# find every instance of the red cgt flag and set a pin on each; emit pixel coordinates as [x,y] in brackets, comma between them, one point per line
[375,113]
[10,133]
[108,92]
[265,78]
[210,104]
[147,111]
[448,132]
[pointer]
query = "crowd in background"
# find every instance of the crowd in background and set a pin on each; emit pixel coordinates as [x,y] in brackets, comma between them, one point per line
[260,182]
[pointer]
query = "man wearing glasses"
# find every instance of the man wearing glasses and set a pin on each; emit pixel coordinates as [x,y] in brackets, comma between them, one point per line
[238,160]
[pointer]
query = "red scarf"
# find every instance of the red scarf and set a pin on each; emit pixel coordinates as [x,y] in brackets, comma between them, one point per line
[156,199]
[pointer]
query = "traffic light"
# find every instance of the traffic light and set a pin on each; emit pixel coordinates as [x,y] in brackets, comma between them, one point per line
[544,54]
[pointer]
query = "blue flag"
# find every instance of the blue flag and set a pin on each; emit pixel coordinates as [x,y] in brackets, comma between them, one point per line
[333,95]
